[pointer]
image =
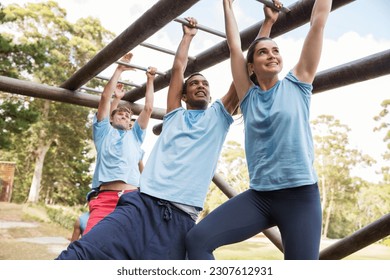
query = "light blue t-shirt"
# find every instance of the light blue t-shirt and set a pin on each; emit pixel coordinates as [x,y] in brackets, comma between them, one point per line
[118,153]
[278,139]
[83,220]
[183,161]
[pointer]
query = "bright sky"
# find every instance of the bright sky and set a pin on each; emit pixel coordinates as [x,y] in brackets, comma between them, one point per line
[354,31]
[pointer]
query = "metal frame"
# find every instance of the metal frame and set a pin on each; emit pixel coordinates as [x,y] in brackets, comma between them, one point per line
[297,14]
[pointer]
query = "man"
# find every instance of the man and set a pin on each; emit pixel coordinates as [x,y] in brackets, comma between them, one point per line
[118,146]
[153,223]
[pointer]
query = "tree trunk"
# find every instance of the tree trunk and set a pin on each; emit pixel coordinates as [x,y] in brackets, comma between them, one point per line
[43,147]
[36,182]
[327,217]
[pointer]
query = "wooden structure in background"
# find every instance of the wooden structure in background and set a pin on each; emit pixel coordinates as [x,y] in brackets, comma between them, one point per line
[165,11]
[7,170]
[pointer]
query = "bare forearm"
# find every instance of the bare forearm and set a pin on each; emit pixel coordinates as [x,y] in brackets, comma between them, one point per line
[110,86]
[320,13]
[231,28]
[149,95]
[265,29]
[114,104]
[181,57]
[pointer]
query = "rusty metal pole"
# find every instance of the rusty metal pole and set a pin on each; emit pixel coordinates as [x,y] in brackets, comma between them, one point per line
[358,240]
[162,13]
[27,88]
[299,15]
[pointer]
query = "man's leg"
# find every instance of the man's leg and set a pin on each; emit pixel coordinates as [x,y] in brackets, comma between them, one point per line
[118,236]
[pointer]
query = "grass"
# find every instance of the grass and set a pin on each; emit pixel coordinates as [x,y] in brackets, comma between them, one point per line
[248,250]
[14,248]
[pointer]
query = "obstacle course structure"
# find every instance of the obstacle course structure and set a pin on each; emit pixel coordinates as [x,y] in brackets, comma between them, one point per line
[163,12]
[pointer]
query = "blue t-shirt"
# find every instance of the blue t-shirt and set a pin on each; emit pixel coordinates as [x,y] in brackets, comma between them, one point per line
[118,153]
[183,161]
[278,139]
[83,220]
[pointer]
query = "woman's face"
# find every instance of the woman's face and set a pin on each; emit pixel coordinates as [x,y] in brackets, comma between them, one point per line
[266,59]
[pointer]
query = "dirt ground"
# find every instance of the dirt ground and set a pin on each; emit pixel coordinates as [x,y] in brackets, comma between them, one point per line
[27,234]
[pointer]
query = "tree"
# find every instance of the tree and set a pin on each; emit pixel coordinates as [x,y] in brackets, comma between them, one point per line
[383,118]
[16,114]
[334,162]
[53,153]
[232,167]
[16,117]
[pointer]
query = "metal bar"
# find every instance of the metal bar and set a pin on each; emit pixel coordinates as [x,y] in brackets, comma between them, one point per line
[27,88]
[272,5]
[299,15]
[91,89]
[120,81]
[203,28]
[224,186]
[360,70]
[358,240]
[157,129]
[138,67]
[163,12]
[157,48]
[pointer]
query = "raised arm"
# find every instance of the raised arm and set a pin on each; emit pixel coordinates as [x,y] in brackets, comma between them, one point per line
[230,99]
[271,16]
[119,92]
[144,116]
[179,65]
[306,67]
[238,62]
[105,100]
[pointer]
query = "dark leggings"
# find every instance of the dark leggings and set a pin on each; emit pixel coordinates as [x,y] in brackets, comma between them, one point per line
[296,212]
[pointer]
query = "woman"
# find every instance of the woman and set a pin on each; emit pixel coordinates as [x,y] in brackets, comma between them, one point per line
[278,144]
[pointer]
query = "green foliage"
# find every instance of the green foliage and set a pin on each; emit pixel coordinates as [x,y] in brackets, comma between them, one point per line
[60,217]
[15,118]
[334,162]
[383,119]
[373,203]
[232,167]
[386,241]
[38,43]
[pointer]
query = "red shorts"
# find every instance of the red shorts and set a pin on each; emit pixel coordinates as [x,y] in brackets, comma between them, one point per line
[102,205]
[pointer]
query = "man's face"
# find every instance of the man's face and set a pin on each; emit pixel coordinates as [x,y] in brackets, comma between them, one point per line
[197,94]
[121,120]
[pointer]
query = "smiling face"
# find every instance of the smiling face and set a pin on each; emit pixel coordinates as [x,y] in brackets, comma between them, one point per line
[264,58]
[121,118]
[197,92]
